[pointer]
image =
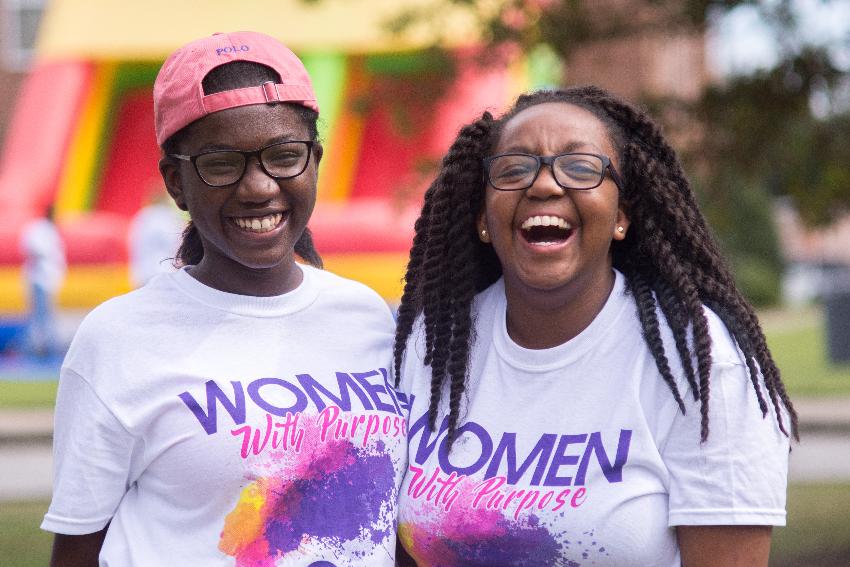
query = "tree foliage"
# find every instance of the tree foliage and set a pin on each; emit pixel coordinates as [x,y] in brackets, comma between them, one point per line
[777,131]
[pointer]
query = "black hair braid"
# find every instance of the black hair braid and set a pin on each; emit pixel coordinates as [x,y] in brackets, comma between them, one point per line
[191,249]
[435,308]
[462,271]
[407,309]
[450,261]
[443,274]
[432,259]
[305,248]
[678,322]
[645,301]
[658,243]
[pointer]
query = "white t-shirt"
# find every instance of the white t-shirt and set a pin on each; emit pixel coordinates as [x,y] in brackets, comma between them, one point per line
[217,429]
[578,455]
[44,255]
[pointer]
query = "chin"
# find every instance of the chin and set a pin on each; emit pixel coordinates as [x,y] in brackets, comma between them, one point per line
[546,282]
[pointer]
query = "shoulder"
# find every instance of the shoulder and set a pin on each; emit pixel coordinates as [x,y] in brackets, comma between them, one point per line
[484,307]
[115,312]
[342,293]
[122,316]
[724,348]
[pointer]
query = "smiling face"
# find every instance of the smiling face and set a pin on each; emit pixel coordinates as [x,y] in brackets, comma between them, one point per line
[550,239]
[248,229]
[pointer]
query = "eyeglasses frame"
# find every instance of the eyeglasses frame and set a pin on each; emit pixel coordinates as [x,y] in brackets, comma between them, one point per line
[550,160]
[248,155]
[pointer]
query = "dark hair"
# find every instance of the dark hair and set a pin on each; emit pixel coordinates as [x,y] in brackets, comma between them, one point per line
[234,75]
[669,259]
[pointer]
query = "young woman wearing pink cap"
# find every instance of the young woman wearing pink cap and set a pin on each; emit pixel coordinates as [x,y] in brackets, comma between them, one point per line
[240,410]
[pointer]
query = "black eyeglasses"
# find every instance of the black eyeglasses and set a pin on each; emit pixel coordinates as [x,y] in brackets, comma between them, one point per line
[282,160]
[516,172]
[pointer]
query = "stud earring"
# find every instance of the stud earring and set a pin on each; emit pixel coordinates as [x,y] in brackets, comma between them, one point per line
[485,237]
[621,230]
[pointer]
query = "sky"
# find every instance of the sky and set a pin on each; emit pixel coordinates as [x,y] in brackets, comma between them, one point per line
[741,42]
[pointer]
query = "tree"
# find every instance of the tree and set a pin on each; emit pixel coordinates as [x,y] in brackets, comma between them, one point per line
[758,136]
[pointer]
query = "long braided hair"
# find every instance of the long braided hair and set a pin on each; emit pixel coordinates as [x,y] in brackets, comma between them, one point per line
[669,259]
[234,75]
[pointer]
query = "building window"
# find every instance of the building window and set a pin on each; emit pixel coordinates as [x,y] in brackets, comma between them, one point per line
[21,19]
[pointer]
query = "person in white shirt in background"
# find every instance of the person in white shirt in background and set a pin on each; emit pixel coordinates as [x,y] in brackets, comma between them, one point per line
[153,239]
[44,271]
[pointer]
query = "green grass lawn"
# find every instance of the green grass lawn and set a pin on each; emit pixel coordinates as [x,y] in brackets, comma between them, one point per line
[36,394]
[22,543]
[798,343]
[818,533]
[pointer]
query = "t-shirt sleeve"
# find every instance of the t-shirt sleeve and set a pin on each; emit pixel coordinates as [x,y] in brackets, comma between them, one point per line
[92,453]
[738,476]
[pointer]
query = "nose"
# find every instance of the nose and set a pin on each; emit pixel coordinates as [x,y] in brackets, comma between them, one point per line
[256,185]
[544,186]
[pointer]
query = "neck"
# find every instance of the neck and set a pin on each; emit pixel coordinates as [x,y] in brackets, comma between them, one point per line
[538,319]
[262,282]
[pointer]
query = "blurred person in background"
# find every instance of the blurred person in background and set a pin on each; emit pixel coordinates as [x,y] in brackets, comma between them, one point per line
[153,239]
[587,384]
[45,266]
[239,410]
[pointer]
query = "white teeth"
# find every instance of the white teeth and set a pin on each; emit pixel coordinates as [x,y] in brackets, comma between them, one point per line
[259,224]
[546,220]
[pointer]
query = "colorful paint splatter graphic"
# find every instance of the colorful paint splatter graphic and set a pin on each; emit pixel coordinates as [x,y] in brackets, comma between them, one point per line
[479,538]
[332,496]
[465,536]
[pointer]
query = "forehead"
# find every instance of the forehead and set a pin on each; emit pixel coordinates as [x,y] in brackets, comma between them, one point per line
[555,127]
[246,127]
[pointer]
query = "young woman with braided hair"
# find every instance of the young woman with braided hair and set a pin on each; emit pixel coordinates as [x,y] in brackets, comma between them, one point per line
[586,384]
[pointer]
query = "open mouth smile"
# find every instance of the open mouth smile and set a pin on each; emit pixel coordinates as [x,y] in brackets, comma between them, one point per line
[546,230]
[259,224]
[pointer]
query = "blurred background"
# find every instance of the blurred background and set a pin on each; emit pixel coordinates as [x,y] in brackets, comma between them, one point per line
[755,95]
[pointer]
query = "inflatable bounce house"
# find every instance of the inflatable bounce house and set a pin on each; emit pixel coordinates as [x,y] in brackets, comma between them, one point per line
[82,134]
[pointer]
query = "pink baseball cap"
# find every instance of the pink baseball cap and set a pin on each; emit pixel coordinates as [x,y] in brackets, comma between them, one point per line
[178,95]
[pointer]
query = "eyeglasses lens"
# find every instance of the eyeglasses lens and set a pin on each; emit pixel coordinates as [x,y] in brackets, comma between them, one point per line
[285,160]
[220,168]
[512,172]
[578,171]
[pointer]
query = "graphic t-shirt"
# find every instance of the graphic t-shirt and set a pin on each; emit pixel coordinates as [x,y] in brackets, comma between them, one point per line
[578,455]
[215,429]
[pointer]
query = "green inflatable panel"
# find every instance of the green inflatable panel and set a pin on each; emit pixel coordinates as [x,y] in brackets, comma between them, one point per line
[328,73]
